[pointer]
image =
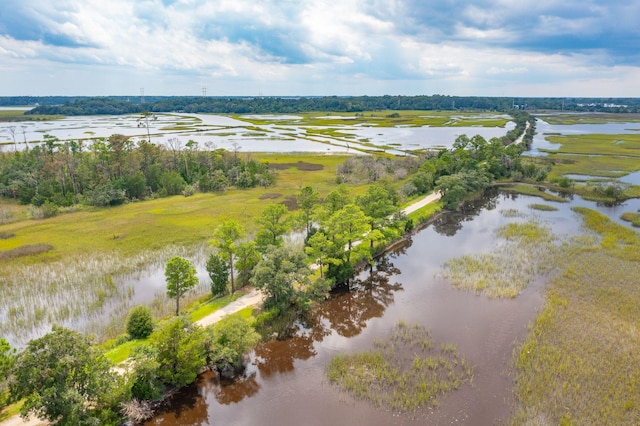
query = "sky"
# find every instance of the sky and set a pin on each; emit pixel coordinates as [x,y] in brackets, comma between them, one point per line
[559,48]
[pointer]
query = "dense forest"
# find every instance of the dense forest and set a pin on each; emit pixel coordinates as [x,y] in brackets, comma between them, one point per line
[260,105]
[113,171]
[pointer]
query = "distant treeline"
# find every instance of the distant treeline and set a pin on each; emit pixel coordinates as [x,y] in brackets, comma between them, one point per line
[268,105]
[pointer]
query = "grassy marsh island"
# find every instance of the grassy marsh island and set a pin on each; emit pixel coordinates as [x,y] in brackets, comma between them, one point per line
[407,372]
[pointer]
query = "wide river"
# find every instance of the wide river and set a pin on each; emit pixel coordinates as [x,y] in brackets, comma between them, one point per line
[285,381]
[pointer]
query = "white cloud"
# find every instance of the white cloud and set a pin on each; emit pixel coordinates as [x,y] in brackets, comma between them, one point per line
[316,46]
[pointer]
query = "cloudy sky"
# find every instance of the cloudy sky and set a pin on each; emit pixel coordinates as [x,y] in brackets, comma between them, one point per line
[320,47]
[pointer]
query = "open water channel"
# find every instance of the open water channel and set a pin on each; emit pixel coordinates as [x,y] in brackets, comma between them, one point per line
[285,381]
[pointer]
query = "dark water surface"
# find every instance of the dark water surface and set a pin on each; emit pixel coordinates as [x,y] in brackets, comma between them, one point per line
[285,382]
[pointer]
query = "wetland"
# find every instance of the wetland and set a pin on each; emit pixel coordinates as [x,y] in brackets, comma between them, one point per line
[286,382]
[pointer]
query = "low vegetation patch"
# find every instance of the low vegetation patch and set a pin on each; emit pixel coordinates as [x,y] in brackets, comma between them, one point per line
[404,373]
[632,217]
[543,207]
[511,213]
[26,250]
[269,196]
[300,165]
[526,251]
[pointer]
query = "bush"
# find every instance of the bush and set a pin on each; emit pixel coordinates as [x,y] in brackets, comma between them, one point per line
[140,322]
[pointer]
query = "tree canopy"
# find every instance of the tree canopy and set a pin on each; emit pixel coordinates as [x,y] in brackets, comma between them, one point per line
[181,277]
[64,379]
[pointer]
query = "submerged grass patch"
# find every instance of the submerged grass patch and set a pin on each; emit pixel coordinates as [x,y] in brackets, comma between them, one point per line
[526,251]
[542,207]
[404,373]
[580,363]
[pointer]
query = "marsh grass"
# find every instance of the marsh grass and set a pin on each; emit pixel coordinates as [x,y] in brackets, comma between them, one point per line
[524,252]
[404,373]
[542,207]
[595,118]
[387,119]
[19,115]
[511,213]
[89,293]
[633,217]
[580,363]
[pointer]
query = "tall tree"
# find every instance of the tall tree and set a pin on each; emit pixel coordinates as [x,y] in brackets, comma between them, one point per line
[378,204]
[272,227]
[247,257]
[346,226]
[181,277]
[307,199]
[225,238]
[322,250]
[64,379]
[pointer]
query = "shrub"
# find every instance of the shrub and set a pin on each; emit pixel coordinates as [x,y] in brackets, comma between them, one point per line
[140,322]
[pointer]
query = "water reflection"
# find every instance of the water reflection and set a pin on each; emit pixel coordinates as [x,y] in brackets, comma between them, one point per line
[452,222]
[232,390]
[279,356]
[349,310]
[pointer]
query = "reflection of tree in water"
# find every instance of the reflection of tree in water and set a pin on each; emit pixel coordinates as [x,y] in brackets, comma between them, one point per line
[369,295]
[346,313]
[188,407]
[450,223]
[232,390]
[278,356]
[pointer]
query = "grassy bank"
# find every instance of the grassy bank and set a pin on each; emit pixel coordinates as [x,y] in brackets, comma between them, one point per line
[580,363]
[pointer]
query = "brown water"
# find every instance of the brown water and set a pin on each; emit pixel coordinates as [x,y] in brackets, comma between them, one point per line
[285,382]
